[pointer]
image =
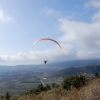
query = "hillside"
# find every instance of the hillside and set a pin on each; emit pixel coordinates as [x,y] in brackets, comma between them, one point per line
[87,70]
[73,87]
[89,92]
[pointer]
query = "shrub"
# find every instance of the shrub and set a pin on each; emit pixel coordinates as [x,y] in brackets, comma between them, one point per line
[47,87]
[54,85]
[40,87]
[76,81]
[97,75]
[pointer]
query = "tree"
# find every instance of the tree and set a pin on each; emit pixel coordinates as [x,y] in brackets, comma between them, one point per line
[7,96]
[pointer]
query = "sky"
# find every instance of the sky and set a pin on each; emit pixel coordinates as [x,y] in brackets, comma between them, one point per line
[75,24]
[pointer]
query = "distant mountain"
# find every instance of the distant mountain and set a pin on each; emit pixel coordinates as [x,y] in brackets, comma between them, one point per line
[74,63]
[52,66]
[89,69]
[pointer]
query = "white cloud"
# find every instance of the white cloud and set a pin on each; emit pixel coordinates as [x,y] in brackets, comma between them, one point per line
[3,17]
[93,3]
[96,17]
[86,35]
[68,52]
[87,54]
[52,12]
[37,57]
[58,14]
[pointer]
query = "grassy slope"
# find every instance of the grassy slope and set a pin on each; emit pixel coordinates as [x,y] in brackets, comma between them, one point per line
[89,92]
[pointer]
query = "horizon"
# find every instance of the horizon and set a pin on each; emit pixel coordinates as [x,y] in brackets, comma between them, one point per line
[50,63]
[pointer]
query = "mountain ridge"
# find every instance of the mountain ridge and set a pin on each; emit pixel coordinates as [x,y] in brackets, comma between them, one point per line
[88,69]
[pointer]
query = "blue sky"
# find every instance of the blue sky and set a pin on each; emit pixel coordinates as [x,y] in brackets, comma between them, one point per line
[75,24]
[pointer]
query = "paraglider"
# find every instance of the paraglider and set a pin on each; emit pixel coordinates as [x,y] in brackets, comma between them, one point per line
[46,39]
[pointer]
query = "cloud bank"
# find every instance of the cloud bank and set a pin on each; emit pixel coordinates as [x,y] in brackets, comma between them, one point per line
[83,34]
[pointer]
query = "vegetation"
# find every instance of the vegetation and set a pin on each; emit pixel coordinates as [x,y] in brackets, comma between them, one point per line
[74,87]
[6,96]
[37,90]
[76,81]
[97,75]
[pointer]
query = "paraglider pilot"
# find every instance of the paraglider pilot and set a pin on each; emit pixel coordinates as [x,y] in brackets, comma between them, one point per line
[45,61]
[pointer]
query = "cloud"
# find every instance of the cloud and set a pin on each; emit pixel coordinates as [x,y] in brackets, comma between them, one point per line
[37,57]
[68,52]
[3,17]
[51,12]
[83,34]
[96,17]
[87,54]
[58,14]
[93,3]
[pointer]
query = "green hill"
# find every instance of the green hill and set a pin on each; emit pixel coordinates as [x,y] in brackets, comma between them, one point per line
[88,70]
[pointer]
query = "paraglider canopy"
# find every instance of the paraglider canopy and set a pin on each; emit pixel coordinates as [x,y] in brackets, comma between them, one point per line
[46,39]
